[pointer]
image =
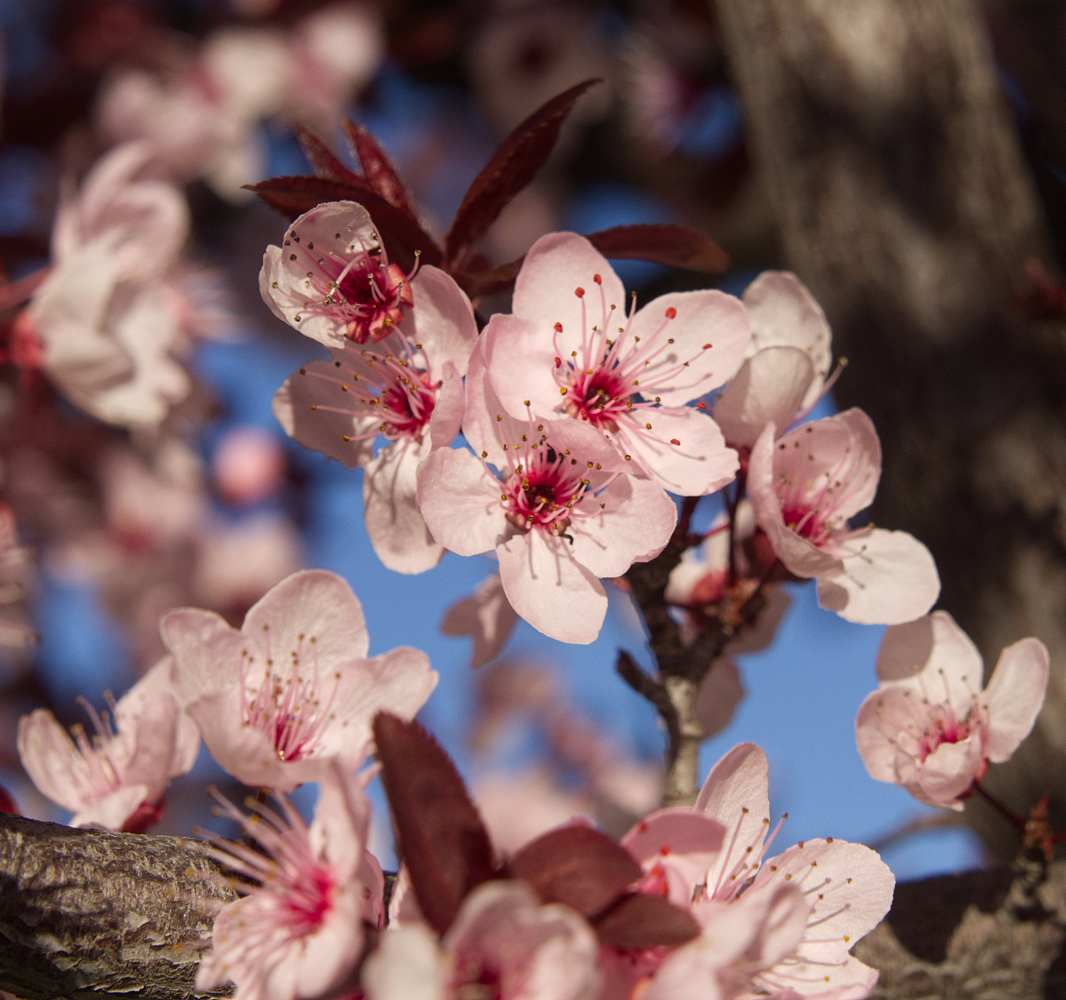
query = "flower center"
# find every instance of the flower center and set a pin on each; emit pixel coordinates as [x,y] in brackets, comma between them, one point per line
[943,727]
[545,490]
[287,704]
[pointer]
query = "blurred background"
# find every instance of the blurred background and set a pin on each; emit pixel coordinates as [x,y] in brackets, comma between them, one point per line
[907,162]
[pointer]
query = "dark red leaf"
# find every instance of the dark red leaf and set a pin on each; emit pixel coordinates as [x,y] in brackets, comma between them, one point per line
[380,173]
[642,921]
[322,158]
[576,865]
[511,168]
[484,282]
[7,803]
[439,834]
[401,235]
[667,243]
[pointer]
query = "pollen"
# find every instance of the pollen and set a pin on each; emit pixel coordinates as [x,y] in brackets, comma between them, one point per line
[579,292]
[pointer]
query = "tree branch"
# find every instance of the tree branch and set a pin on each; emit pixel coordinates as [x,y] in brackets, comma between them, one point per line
[87,914]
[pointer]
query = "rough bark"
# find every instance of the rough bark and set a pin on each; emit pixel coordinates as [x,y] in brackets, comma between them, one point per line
[85,914]
[904,203]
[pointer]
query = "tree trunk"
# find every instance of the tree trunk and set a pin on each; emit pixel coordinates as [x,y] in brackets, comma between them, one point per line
[904,203]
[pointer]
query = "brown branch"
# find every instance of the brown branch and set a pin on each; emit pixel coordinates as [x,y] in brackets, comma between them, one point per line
[87,914]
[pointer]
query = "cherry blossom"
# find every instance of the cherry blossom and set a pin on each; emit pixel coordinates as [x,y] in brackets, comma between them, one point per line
[805,487]
[930,726]
[299,930]
[115,777]
[559,512]
[713,854]
[502,940]
[785,365]
[293,689]
[398,351]
[487,616]
[569,349]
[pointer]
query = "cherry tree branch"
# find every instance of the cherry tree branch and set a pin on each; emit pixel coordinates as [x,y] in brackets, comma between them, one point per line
[87,914]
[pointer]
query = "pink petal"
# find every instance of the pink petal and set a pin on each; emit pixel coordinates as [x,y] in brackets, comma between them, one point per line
[736,795]
[719,695]
[948,772]
[447,419]
[342,818]
[699,463]
[544,293]
[316,412]
[783,313]
[550,589]
[45,750]
[710,334]
[889,578]
[936,645]
[111,811]
[882,717]
[634,525]
[519,358]
[316,605]
[441,320]
[406,965]
[390,507]
[205,649]
[486,423]
[328,957]
[460,501]
[487,615]
[769,388]
[678,839]
[1014,696]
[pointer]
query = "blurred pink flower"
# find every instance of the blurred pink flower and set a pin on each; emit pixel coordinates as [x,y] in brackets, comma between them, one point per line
[805,487]
[786,364]
[248,464]
[299,930]
[114,778]
[293,689]
[930,727]
[568,349]
[486,616]
[503,939]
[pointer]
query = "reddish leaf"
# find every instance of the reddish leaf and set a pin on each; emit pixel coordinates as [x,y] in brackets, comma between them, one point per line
[322,158]
[401,235]
[380,173]
[578,866]
[439,834]
[668,243]
[7,803]
[511,168]
[642,921]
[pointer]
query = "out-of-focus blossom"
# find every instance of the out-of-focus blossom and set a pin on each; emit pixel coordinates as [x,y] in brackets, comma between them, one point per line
[293,689]
[502,936]
[559,513]
[116,777]
[518,807]
[486,616]
[930,726]
[248,465]
[399,349]
[570,349]
[805,487]
[299,930]
[786,364]
[149,217]
[236,564]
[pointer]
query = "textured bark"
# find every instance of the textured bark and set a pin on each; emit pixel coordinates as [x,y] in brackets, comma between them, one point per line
[904,203]
[85,914]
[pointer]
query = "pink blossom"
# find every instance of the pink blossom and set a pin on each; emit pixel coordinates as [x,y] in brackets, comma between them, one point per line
[293,689]
[805,487]
[569,349]
[714,853]
[560,512]
[502,939]
[399,349]
[930,727]
[248,465]
[786,363]
[114,778]
[299,930]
